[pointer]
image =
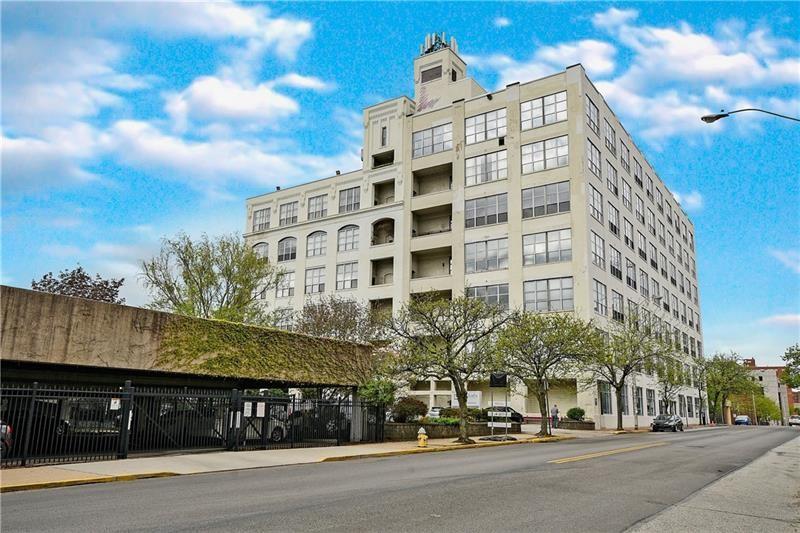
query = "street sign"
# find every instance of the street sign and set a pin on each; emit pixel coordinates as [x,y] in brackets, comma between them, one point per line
[116,404]
[506,425]
[498,379]
[498,414]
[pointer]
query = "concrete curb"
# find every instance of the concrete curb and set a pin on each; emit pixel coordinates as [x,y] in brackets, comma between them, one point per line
[87,481]
[449,448]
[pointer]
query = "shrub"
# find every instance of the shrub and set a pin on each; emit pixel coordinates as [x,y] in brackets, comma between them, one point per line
[473,415]
[407,409]
[441,421]
[576,413]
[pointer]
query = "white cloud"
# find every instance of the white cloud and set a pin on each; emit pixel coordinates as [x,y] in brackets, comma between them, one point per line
[691,201]
[210,99]
[502,22]
[614,17]
[298,81]
[597,57]
[789,258]
[782,320]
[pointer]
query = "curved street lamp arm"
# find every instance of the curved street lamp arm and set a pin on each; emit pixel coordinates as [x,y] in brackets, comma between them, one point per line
[762,111]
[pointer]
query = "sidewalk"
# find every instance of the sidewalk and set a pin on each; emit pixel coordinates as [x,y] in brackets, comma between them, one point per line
[762,496]
[170,465]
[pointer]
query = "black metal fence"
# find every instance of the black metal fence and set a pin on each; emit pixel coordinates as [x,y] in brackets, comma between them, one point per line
[53,424]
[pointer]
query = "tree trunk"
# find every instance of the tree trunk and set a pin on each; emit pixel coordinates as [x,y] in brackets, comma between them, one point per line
[619,407]
[463,438]
[542,397]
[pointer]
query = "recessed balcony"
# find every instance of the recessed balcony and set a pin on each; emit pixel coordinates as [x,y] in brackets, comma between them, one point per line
[433,179]
[382,271]
[382,231]
[383,193]
[432,263]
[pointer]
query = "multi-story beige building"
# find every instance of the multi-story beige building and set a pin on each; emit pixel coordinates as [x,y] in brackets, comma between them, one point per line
[533,196]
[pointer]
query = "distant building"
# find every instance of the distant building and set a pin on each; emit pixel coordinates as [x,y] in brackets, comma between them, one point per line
[532,197]
[769,378]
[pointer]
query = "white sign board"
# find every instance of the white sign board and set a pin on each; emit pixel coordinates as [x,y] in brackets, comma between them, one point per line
[473,399]
[499,424]
[260,409]
[498,414]
[116,404]
[248,409]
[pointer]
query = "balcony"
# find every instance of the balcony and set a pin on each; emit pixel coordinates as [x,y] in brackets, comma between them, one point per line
[432,263]
[382,271]
[433,179]
[381,307]
[383,193]
[382,231]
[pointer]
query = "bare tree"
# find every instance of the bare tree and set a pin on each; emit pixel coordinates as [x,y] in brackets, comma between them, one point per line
[629,345]
[220,278]
[340,318]
[77,282]
[439,338]
[539,348]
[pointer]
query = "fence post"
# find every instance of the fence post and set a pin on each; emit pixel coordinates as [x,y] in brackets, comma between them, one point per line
[29,423]
[234,420]
[125,421]
[339,422]
[290,416]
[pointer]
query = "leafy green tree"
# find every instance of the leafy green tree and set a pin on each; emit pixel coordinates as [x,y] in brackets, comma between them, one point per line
[221,278]
[725,376]
[669,378]
[441,338]
[765,408]
[538,348]
[700,378]
[379,391]
[77,282]
[791,374]
[408,409]
[628,346]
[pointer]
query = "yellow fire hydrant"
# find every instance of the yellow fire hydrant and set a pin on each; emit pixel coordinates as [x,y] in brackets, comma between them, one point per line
[422,438]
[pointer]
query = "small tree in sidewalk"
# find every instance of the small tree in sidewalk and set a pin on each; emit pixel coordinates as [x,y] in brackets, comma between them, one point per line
[628,345]
[669,379]
[539,348]
[440,338]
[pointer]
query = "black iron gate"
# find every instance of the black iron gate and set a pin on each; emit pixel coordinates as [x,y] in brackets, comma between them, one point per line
[53,424]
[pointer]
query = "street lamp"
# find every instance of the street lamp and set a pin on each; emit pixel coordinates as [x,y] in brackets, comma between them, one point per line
[708,119]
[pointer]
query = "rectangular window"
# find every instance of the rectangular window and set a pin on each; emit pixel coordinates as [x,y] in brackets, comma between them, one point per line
[653,255]
[626,195]
[627,227]
[617,307]
[548,295]
[433,140]
[593,154]
[655,288]
[689,407]
[543,155]
[651,221]
[625,157]
[484,168]
[662,263]
[431,74]
[490,294]
[605,397]
[545,110]
[285,286]
[610,137]
[347,276]
[349,199]
[648,187]
[261,219]
[545,200]
[611,178]
[651,402]
[613,219]
[485,211]
[287,213]
[659,200]
[599,297]
[348,239]
[626,410]
[637,172]
[598,251]
[639,209]
[596,204]
[615,262]
[644,283]
[317,207]
[661,234]
[486,126]
[630,274]
[384,135]
[592,116]
[485,256]
[671,243]
[315,280]
[641,244]
[547,247]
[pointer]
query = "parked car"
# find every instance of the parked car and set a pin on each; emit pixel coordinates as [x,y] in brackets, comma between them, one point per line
[741,420]
[435,412]
[514,415]
[5,438]
[667,423]
[794,420]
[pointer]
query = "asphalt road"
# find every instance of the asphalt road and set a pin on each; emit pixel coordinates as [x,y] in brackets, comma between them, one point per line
[491,489]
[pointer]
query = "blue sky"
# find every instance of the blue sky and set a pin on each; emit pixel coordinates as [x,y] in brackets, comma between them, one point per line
[126,122]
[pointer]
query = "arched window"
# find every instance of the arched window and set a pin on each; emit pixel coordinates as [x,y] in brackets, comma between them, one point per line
[287,249]
[348,238]
[316,244]
[261,250]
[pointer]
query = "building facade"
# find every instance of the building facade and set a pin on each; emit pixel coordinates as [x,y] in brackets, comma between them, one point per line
[532,197]
[769,379]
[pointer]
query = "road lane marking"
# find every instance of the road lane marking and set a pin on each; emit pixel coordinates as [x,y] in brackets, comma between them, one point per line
[607,452]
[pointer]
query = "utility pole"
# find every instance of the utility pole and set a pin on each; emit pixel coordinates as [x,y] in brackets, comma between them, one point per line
[755,413]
